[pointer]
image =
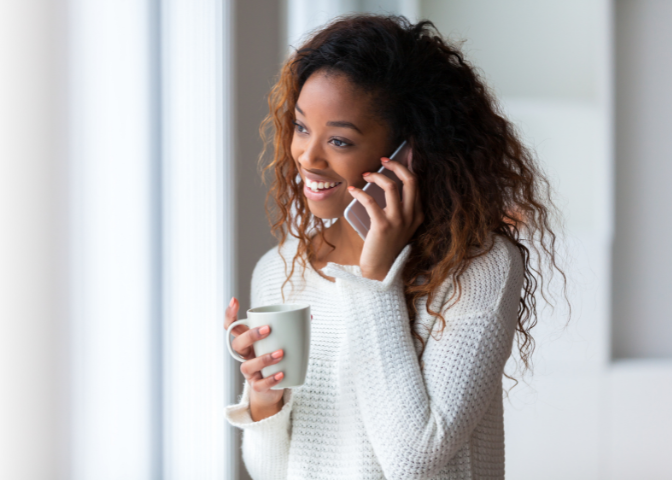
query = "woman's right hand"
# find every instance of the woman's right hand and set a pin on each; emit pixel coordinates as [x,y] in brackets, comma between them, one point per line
[262,398]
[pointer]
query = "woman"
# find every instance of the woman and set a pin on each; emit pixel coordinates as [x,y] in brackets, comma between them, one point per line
[412,326]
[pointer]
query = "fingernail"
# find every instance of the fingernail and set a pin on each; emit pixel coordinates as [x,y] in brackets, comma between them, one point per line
[365,174]
[231,302]
[385,160]
[351,187]
[264,330]
[277,354]
[278,376]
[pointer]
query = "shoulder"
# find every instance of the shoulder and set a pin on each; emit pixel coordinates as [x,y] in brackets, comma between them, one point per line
[272,269]
[271,261]
[492,281]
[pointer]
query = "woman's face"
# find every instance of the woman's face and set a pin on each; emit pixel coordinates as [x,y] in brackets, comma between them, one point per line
[336,139]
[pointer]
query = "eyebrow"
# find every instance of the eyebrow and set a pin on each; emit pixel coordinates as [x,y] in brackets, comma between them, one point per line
[335,123]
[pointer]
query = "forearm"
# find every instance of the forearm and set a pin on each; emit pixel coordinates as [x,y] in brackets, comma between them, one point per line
[266,435]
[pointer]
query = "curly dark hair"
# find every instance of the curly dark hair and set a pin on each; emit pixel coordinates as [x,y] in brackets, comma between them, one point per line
[478,178]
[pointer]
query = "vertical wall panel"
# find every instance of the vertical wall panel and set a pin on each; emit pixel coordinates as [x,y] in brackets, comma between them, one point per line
[640,380]
[33,242]
[642,255]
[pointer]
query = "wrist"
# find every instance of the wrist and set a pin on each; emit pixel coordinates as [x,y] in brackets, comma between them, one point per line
[260,412]
[373,276]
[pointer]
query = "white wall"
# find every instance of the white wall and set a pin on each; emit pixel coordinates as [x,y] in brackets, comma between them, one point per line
[303,16]
[33,283]
[526,48]
[640,380]
[583,415]
[548,63]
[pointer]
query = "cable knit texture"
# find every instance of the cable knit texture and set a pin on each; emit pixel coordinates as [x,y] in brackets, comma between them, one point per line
[370,407]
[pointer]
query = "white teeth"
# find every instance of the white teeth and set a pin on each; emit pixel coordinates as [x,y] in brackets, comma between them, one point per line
[317,186]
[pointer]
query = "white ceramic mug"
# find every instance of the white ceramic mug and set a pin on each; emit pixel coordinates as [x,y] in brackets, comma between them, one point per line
[290,331]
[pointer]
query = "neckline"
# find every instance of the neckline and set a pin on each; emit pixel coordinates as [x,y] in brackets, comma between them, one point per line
[354,269]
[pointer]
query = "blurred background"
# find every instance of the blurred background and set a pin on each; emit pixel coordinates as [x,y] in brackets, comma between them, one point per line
[131,211]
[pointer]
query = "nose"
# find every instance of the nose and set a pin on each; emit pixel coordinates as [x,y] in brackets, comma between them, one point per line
[312,156]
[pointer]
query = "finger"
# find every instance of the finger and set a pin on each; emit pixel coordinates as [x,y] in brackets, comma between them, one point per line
[243,343]
[231,315]
[410,181]
[392,194]
[250,367]
[409,161]
[252,378]
[372,208]
[268,382]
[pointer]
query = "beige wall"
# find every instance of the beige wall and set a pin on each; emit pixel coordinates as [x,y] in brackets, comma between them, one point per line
[32,241]
[258,54]
[257,61]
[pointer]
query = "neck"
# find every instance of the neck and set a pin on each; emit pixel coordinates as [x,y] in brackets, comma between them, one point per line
[347,241]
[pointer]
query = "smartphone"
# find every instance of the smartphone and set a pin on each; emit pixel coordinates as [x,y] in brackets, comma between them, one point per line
[356,214]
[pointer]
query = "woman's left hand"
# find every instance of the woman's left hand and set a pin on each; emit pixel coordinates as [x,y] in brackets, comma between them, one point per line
[393,226]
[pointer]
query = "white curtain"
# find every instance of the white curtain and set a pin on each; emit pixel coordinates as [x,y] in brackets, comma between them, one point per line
[198,237]
[151,238]
[112,235]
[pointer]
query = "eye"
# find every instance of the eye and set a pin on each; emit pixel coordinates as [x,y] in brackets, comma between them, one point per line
[339,143]
[299,128]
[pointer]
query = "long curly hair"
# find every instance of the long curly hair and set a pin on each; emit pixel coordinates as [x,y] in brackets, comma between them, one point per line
[478,178]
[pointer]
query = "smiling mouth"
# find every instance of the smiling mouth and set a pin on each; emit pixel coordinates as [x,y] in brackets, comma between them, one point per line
[321,186]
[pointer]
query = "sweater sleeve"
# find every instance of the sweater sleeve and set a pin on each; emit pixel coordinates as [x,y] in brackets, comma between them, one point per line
[418,420]
[265,444]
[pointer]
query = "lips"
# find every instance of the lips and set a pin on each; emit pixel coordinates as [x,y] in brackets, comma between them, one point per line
[320,194]
[317,178]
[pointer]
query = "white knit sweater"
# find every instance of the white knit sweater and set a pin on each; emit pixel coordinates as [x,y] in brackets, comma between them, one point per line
[367,409]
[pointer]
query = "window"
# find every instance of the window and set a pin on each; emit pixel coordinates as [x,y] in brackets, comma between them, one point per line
[151,239]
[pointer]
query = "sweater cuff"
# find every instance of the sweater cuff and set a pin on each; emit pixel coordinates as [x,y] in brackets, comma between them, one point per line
[354,277]
[239,416]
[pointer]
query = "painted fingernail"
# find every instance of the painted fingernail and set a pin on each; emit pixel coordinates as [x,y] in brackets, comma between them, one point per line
[351,188]
[231,302]
[385,160]
[264,330]
[365,174]
[278,376]
[277,354]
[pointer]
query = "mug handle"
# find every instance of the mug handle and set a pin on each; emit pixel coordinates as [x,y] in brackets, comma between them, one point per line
[233,353]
